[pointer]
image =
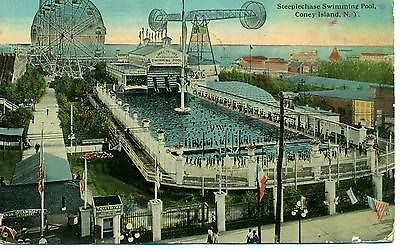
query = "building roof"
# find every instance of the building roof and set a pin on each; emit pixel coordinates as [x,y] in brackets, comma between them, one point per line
[362,94]
[27,197]
[11,132]
[242,89]
[146,50]
[254,58]
[317,110]
[27,171]
[335,56]
[106,200]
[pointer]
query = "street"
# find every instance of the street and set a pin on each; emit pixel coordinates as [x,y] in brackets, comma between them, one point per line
[339,228]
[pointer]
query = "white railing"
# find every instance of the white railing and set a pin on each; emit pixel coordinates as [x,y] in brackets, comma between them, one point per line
[167,161]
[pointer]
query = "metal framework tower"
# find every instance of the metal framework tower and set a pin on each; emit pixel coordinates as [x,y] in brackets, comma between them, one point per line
[252,15]
[67,36]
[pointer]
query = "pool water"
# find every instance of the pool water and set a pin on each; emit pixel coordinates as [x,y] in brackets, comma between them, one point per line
[207,122]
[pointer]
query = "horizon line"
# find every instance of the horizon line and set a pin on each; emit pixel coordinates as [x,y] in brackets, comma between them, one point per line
[238,44]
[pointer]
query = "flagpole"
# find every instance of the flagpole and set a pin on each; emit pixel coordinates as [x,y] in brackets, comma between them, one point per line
[42,180]
[86,187]
[250,57]
[220,173]
[156,182]
[295,171]
[258,205]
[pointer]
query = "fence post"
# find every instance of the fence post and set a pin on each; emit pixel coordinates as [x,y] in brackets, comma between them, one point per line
[377,183]
[156,218]
[251,167]
[387,160]
[330,196]
[85,215]
[179,167]
[117,228]
[371,155]
[220,214]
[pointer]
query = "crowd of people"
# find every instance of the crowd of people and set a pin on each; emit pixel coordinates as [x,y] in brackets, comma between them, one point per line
[263,156]
[252,237]
[206,126]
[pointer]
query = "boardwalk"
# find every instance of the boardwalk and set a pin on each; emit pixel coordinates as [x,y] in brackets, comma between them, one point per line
[335,229]
[53,135]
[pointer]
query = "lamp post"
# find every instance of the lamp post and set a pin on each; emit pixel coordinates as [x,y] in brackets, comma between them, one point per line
[300,211]
[131,235]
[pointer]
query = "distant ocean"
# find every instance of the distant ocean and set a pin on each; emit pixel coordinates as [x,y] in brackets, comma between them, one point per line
[227,54]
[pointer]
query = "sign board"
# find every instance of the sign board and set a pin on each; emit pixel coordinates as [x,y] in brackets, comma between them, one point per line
[108,211]
[166,57]
[23,213]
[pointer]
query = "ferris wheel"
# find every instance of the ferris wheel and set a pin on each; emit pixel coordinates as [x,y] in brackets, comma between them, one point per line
[67,37]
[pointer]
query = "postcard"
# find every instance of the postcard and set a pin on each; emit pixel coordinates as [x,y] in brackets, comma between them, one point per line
[196,122]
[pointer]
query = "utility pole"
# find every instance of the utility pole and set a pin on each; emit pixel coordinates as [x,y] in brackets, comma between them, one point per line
[279,172]
[258,204]
[72,136]
[42,174]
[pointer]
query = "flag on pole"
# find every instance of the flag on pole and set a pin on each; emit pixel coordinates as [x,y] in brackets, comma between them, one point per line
[303,202]
[158,177]
[263,184]
[159,180]
[262,180]
[380,208]
[6,231]
[82,186]
[352,197]
[40,179]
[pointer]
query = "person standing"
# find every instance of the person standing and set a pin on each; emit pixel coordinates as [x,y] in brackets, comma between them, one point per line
[215,238]
[210,237]
[254,239]
[249,236]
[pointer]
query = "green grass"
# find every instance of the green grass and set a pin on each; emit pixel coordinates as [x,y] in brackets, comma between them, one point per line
[8,161]
[119,177]
[113,177]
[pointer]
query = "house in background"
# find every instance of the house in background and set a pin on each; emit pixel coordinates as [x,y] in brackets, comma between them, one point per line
[305,62]
[372,105]
[20,201]
[376,57]
[262,64]
[11,137]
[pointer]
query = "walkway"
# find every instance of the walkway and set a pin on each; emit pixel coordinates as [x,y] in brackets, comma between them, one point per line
[53,135]
[339,228]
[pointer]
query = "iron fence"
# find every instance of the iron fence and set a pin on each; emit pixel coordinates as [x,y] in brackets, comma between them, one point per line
[141,224]
[185,220]
[242,215]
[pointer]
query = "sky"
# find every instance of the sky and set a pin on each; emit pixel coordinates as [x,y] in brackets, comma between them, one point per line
[124,18]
